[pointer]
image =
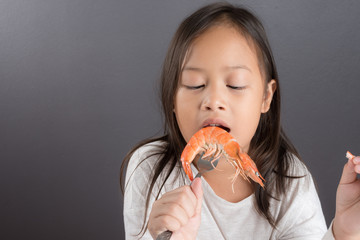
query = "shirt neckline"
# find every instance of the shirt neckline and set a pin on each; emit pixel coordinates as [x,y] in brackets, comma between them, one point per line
[209,193]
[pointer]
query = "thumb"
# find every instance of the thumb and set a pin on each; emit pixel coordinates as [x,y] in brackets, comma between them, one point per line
[197,190]
[349,174]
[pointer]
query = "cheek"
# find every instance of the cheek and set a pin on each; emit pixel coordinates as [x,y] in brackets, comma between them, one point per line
[185,115]
[248,128]
[248,116]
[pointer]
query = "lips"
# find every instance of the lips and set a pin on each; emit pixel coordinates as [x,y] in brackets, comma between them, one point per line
[216,123]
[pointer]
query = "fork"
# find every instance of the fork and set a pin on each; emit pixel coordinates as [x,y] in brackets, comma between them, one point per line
[203,166]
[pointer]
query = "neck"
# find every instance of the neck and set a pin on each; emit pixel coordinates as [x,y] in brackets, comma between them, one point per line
[220,180]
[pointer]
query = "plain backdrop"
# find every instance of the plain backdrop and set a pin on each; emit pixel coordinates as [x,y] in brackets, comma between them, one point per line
[78,89]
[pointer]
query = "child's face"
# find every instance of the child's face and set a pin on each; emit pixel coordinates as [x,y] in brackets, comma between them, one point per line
[222,84]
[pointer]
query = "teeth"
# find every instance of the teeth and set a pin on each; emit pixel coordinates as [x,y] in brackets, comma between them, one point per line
[218,125]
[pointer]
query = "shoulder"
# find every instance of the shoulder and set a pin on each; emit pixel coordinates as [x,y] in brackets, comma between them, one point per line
[296,166]
[145,161]
[147,151]
[295,176]
[298,211]
[145,157]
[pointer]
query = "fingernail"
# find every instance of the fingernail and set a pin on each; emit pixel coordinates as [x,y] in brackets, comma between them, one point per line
[357,160]
[193,180]
[357,169]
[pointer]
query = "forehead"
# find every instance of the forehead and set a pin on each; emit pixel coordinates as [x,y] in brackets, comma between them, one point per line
[222,45]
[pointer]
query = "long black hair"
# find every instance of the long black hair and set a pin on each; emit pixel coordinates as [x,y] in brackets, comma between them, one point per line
[271,150]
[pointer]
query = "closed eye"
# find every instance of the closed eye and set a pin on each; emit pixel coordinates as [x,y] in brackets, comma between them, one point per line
[195,87]
[236,87]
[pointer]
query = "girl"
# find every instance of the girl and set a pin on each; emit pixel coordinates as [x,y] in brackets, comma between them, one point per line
[219,70]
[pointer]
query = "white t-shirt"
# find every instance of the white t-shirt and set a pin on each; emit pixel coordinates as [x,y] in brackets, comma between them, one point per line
[298,213]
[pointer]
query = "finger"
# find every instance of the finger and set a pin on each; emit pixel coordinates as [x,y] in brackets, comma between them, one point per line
[184,198]
[356,161]
[183,193]
[164,223]
[357,169]
[349,174]
[173,210]
[197,190]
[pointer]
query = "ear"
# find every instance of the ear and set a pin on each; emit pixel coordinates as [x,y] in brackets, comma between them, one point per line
[268,95]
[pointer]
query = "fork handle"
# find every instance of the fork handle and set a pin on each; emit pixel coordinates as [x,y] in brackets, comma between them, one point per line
[166,235]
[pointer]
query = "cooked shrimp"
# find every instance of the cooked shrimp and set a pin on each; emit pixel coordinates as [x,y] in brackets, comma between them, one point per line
[217,142]
[349,155]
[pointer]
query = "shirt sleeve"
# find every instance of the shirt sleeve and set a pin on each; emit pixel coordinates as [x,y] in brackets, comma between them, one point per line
[329,234]
[301,216]
[136,184]
[139,175]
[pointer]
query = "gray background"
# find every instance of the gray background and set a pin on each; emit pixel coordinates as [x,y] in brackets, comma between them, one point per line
[78,90]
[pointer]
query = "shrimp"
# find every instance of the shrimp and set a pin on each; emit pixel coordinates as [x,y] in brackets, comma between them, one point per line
[349,155]
[216,142]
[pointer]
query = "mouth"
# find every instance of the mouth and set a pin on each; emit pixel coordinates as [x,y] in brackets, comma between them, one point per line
[217,125]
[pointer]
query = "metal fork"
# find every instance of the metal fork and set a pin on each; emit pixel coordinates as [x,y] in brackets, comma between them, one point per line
[203,166]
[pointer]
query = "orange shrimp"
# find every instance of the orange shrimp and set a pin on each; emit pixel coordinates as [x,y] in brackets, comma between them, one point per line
[349,155]
[217,142]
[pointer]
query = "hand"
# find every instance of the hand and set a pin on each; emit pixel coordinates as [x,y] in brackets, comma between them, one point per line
[178,211]
[347,218]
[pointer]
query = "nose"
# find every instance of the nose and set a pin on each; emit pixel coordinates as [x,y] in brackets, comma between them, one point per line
[214,99]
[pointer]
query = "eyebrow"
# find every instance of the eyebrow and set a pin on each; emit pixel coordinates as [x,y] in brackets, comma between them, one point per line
[196,69]
[235,67]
